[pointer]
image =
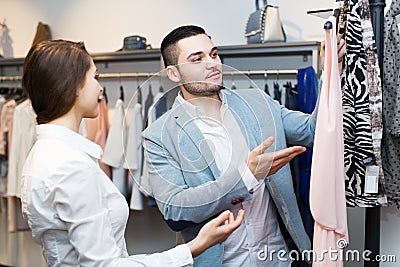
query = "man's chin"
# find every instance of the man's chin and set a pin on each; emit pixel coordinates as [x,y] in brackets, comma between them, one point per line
[213,90]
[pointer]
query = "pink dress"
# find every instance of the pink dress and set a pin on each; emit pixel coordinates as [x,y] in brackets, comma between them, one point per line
[327,189]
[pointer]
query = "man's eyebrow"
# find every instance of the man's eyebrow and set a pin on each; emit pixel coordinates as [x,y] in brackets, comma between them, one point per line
[195,54]
[200,52]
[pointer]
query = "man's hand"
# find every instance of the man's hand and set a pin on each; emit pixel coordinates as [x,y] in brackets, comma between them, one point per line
[213,232]
[341,52]
[264,164]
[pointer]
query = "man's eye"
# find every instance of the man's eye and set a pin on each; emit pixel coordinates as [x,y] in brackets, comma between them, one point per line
[214,55]
[96,76]
[196,59]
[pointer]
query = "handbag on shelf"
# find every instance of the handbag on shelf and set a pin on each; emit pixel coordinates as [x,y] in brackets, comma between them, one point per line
[264,25]
[134,42]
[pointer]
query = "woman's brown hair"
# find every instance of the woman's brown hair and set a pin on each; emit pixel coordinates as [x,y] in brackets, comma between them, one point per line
[53,72]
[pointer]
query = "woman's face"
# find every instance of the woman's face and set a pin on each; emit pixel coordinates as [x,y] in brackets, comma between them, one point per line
[87,100]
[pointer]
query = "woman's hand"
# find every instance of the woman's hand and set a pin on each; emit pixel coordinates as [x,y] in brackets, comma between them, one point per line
[213,232]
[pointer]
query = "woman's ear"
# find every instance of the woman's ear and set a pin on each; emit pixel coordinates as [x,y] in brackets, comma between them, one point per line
[173,74]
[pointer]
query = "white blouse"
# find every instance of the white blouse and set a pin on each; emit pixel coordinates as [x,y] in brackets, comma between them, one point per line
[73,209]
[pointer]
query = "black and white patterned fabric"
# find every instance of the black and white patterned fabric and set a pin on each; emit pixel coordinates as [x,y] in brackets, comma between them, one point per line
[358,142]
[391,105]
[374,85]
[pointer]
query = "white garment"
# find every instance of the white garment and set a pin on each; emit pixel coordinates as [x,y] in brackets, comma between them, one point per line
[133,155]
[115,148]
[22,139]
[260,228]
[74,210]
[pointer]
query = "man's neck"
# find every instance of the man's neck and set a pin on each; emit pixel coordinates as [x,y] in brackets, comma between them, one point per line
[211,105]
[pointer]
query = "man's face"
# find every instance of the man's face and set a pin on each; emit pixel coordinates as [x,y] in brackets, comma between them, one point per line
[199,66]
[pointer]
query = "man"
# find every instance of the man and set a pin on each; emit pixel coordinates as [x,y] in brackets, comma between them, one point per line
[206,154]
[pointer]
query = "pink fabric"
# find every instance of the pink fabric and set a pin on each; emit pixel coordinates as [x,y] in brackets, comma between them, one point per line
[102,133]
[327,190]
[97,131]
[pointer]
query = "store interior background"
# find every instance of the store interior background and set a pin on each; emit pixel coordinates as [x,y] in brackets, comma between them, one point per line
[102,25]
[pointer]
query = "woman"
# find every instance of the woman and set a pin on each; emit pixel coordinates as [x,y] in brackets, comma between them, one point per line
[72,207]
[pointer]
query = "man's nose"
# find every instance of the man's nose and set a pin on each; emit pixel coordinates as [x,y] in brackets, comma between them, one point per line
[211,62]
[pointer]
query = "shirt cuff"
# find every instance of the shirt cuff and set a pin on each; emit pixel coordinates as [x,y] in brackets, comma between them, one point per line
[249,180]
[182,255]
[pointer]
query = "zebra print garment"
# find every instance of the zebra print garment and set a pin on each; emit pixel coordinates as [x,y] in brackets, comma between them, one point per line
[391,105]
[358,142]
[374,85]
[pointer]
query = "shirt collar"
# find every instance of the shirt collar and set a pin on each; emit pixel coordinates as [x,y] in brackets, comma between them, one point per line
[53,131]
[196,111]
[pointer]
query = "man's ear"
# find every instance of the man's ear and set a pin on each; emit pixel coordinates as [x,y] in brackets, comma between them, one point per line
[173,74]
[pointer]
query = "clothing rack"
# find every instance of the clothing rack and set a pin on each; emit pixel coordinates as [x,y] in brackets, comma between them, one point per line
[373,215]
[150,74]
[10,78]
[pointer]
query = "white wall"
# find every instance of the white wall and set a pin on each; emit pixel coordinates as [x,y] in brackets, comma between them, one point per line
[103,24]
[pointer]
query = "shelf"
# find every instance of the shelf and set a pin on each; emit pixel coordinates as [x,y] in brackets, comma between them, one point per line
[245,57]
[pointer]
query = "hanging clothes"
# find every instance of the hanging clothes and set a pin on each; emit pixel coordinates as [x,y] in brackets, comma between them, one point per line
[391,105]
[22,136]
[358,149]
[102,132]
[96,130]
[153,112]
[327,193]
[277,93]
[307,90]
[115,147]
[290,96]
[134,157]
[6,118]
[374,85]
[3,162]
[147,104]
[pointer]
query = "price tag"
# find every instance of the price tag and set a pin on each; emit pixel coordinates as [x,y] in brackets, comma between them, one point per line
[371,180]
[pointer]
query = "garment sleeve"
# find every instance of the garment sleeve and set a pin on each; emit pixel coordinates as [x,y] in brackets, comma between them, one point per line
[115,144]
[299,127]
[79,203]
[177,201]
[250,181]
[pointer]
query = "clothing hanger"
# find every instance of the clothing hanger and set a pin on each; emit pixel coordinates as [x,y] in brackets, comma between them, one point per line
[266,89]
[233,86]
[19,96]
[336,13]
[150,91]
[139,91]
[121,93]
[105,95]
[121,90]
[250,83]
[161,88]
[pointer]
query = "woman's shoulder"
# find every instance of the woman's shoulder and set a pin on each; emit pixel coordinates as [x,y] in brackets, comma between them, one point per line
[51,155]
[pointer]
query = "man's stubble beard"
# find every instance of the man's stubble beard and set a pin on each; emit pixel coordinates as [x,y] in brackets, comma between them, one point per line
[202,88]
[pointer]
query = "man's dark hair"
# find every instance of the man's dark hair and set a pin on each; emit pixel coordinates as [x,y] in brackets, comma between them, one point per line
[169,48]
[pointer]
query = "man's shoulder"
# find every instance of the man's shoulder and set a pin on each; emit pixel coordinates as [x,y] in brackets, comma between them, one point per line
[247,97]
[246,94]
[155,128]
